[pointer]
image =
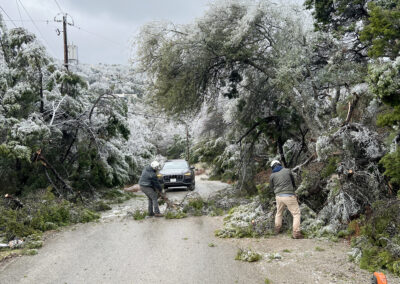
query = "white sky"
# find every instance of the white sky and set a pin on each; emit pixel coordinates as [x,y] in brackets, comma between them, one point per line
[107,26]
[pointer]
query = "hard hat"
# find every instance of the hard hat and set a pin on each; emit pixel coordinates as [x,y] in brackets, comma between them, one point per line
[155,165]
[275,162]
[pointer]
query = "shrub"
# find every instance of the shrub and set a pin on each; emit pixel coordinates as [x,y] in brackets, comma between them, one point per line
[101,206]
[380,235]
[38,217]
[175,215]
[139,215]
[248,255]
[330,168]
[391,162]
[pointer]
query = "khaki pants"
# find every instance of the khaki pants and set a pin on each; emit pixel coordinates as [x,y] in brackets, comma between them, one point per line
[293,206]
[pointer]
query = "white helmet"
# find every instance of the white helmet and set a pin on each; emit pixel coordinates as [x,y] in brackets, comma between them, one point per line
[274,162]
[155,165]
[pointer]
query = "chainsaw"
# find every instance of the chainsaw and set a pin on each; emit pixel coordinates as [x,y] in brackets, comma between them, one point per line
[379,278]
[169,203]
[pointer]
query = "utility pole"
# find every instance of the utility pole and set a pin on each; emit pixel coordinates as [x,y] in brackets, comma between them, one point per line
[65,23]
[65,41]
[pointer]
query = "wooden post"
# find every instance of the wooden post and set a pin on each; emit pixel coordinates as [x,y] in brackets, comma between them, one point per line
[65,41]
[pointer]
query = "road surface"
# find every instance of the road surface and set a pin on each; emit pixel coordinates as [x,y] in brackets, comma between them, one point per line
[156,250]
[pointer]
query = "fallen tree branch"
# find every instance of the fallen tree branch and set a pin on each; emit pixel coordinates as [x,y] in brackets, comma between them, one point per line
[298,167]
[352,106]
[39,157]
[51,181]
[266,119]
[13,201]
[55,110]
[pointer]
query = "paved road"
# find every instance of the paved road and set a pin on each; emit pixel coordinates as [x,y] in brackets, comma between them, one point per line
[156,250]
[121,250]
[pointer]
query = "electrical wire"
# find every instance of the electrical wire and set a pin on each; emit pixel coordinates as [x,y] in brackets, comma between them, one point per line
[59,7]
[36,21]
[98,35]
[41,35]
[19,12]
[8,16]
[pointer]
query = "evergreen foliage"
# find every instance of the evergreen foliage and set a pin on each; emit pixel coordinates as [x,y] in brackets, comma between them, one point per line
[62,128]
[36,217]
[382,232]
[177,149]
[383,28]
[391,162]
[338,16]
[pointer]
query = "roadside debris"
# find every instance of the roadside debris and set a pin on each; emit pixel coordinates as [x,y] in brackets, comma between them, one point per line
[13,244]
[248,255]
[133,188]
[13,202]
[273,256]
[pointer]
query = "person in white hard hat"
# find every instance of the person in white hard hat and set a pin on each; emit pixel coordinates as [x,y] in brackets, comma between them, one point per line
[150,186]
[282,183]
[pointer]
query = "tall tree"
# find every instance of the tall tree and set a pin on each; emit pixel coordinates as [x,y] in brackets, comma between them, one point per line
[237,51]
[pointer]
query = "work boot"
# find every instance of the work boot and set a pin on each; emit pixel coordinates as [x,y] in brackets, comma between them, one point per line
[298,235]
[277,230]
[159,215]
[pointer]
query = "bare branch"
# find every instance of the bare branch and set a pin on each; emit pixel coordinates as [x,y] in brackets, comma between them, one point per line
[55,110]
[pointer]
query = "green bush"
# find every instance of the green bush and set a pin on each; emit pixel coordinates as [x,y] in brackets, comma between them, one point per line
[113,194]
[236,232]
[375,258]
[87,216]
[175,215]
[330,168]
[247,255]
[38,217]
[101,206]
[139,215]
[382,228]
[391,162]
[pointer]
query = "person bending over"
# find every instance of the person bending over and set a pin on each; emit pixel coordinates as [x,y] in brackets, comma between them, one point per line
[282,183]
[150,186]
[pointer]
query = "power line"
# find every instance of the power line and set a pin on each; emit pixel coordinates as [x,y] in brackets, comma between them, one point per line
[37,21]
[33,22]
[8,16]
[59,7]
[98,35]
[19,12]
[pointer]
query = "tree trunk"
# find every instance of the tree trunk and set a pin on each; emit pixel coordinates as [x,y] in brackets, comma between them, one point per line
[70,146]
[279,142]
[334,102]
[280,150]
[246,182]
[40,86]
[352,107]
[47,165]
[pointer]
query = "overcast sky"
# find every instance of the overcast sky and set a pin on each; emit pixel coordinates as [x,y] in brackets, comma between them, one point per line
[107,26]
[103,29]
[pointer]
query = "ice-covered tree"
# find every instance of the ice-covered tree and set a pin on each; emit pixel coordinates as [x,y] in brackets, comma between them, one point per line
[59,128]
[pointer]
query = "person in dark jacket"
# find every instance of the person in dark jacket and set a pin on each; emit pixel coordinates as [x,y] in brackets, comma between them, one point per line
[282,183]
[150,186]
